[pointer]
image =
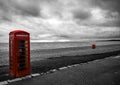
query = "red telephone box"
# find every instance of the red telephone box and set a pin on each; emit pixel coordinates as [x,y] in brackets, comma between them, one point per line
[19,53]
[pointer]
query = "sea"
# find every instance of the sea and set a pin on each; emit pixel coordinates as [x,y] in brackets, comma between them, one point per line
[56,45]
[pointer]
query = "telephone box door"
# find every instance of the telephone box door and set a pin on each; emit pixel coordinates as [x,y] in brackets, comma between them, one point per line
[23,57]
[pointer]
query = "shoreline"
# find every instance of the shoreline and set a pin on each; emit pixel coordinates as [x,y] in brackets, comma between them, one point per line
[57,62]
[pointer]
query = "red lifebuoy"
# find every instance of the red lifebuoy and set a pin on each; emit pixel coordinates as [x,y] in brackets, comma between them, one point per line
[93,46]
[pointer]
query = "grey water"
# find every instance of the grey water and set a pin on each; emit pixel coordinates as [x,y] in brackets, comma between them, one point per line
[39,46]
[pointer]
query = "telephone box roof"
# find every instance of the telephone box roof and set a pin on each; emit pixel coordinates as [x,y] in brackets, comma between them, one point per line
[18,32]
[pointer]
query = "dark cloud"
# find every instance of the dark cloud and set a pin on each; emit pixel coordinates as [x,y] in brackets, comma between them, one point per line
[81,14]
[112,13]
[112,5]
[4,10]
[4,5]
[63,36]
[27,8]
[115,23]
[5,18]
[18,7]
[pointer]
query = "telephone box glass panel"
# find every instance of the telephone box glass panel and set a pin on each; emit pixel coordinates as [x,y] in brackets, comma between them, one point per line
[22,55]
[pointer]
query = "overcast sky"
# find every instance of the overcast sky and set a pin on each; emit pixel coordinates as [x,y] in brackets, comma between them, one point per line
[59,20]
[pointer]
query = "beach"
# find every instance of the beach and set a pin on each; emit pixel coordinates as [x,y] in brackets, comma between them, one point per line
[98,72]
[43,60]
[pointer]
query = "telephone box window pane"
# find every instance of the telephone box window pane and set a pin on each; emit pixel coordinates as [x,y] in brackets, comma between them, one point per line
[22,55]
[21,43]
